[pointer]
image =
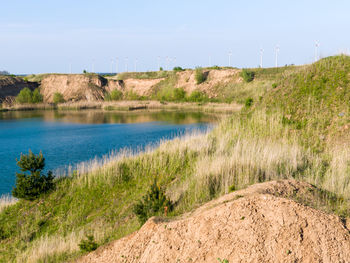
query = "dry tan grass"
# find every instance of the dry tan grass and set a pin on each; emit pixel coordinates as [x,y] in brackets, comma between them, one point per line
[150,105]
[48,247]
[7,200]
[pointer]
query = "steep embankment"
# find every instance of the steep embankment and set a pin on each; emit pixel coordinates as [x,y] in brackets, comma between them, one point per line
[315,98]
[88,87]
[222,84]
[91,87]
[258,224]
[11,86]
[214,77]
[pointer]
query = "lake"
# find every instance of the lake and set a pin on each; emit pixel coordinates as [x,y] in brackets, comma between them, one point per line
[70,137]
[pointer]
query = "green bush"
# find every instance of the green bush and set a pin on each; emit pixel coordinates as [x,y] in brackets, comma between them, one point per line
[36,96]
[179,94]
[114,95]
[247,75]
[178,69]
[197,96]
[248,102]
[24,96]
[152,203]
[28,96]
[88,244]
[58,98]
[200,76]
[131,95]
[31,183]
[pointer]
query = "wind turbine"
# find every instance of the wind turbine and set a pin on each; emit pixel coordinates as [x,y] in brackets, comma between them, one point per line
[116,65]
[261,57]
[277,50]
[167,62]
[317,44]
[229,58]
[126,64]
[135,66]
[111,65]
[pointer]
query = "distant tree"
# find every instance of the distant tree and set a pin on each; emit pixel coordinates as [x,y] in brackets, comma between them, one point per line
[36,96]
[84,71]
[31,183]
[58,98]
[161,69]
[24,96]
[27,96]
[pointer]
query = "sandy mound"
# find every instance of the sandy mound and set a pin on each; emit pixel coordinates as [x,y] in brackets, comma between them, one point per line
[252,225]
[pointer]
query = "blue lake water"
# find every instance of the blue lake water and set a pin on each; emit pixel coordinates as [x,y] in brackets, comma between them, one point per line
[68,138]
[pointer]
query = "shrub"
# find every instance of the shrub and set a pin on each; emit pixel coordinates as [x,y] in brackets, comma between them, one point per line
[114,95]
[152,203]
[36,96]
[179,94]
[248,102]
[197,96]
[178,69]
[200,76]
[27,96]
[24,96]
[131,95]
[58,98]
[31,186]
[274,85]
[247,75]
[88,244]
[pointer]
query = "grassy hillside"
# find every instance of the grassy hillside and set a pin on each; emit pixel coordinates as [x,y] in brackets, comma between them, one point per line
[291,130]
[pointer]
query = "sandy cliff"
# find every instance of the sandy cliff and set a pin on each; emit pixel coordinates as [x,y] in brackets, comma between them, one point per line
[77,87]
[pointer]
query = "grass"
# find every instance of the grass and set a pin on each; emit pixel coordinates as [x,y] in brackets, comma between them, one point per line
[278,137]
[7,200]
[144,75]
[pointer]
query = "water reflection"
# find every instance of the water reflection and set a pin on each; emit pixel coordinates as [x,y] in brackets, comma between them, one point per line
[99,116]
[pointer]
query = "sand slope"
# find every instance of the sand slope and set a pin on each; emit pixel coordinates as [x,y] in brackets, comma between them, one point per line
[258,224]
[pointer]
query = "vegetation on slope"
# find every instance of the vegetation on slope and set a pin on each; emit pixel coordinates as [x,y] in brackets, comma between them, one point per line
[275,138]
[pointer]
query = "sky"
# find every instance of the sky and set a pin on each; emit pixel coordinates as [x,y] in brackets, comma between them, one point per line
[41,36]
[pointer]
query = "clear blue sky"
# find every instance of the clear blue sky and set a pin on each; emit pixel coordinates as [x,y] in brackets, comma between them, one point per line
[47,36]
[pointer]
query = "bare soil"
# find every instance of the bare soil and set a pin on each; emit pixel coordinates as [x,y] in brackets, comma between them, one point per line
[258,224]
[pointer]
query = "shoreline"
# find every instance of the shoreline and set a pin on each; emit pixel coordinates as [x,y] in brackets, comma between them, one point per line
[129,106]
